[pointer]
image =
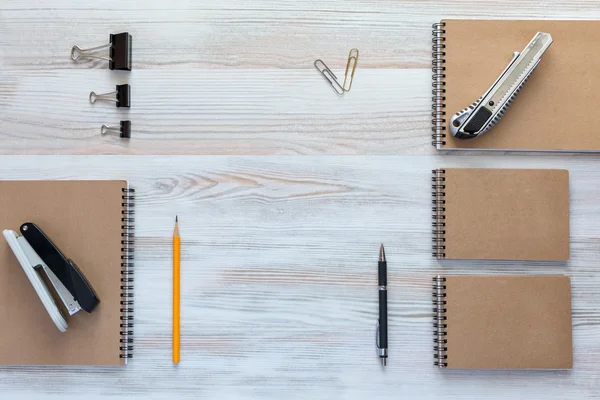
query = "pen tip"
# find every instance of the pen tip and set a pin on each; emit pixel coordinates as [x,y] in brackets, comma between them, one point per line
[384,361]
[381,253]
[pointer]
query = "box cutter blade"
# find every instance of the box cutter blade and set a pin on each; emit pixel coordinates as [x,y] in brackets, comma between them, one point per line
[486,112]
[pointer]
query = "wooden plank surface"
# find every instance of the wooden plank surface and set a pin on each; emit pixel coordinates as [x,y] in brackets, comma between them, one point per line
[279,279]
[279,253]
[231,77]
[218,111]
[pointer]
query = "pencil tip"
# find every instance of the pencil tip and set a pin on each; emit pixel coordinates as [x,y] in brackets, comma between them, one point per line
[176,218]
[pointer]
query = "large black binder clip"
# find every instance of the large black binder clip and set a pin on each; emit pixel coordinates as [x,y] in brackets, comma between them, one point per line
[39,258]
[121,96]
[119,54]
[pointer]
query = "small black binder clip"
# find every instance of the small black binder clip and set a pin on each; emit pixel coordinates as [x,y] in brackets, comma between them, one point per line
[39,257]
[121,96]
[119,54]
[124,129]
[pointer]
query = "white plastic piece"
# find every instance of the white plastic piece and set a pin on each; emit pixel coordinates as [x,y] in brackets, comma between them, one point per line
[29,259]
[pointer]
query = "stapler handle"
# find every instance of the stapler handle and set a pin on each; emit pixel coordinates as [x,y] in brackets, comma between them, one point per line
[64,269]
[82,290]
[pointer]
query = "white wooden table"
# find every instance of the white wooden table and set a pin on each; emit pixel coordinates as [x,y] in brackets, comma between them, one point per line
[284,192]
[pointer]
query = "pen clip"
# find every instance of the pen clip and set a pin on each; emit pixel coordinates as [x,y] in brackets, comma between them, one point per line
[377,337]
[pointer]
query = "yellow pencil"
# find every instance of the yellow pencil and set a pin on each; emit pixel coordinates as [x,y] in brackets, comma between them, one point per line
[176,291]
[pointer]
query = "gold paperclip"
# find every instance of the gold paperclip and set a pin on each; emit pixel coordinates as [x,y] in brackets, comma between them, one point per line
[332,79]
[351,57]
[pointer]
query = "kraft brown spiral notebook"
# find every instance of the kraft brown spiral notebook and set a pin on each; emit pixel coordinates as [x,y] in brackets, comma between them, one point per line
[91,222]
[502,322]
[501,214]
[555,108]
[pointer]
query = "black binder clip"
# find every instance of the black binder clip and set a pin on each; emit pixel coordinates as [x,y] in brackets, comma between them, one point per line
[121,96]
[119,54]
[124,130]
[38,256]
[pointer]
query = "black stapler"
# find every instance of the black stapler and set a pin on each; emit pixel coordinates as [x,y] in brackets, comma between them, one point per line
[36,253]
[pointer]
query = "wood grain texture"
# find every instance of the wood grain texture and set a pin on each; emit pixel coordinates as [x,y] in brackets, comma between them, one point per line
[231,77]
[279,279]
[217,112]
[279,253]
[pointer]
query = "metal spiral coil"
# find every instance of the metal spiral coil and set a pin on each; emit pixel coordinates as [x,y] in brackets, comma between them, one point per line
[438,67]
[127,256]
[440,325]
[438,213]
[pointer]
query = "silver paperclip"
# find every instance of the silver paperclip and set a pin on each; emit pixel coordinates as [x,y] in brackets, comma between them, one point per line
[330,77]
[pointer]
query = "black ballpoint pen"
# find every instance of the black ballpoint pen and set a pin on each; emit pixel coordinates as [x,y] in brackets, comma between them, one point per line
[382,325]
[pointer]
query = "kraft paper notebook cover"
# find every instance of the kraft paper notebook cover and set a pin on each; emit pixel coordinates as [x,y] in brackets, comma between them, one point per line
[501,214]
[503,322]
[86,220]
[555,109]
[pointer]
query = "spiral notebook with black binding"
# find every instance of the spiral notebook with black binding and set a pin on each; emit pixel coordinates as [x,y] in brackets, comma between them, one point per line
[502,322]
[554,110]
[500,214]
[93,223]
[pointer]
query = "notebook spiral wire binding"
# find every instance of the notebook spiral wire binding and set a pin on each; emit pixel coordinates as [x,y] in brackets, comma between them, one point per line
[440,325]
[127,257]
[438,67]
[438,213]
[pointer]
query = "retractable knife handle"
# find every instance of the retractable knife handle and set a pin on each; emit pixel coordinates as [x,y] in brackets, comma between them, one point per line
[485,113]
[64,269]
